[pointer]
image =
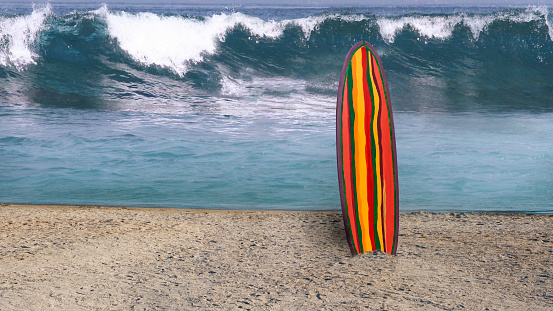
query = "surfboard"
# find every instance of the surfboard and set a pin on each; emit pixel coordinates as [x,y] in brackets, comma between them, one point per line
[366,153]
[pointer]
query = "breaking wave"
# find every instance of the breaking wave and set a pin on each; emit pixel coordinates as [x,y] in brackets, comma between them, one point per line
[18,36]
[122,55]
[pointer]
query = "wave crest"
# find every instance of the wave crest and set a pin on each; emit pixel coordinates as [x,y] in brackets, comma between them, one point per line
[441,27]
[175,42]
[226,43]
[18,35]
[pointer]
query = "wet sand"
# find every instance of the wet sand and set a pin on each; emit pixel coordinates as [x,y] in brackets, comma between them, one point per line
[100,258]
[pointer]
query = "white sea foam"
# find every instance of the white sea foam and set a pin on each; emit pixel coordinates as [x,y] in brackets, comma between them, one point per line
[477,24]
[311,23]
[428,26]
[544,12]
[258,86]
[441,27]
[175,42]
[307,24]
[272,96]
[232,87]
[548,24]
[18,35]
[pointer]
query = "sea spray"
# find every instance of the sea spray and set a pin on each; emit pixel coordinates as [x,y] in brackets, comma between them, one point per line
[176,41]
[18,35]
[442,26]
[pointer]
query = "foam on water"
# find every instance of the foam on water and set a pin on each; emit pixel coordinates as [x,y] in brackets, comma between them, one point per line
[175,42]
[477,24]
[273,97]
[311,23]
[432,27]
[441,27]
[18,35]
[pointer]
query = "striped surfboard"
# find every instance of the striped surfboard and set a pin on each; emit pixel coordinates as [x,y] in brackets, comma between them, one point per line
[366,153]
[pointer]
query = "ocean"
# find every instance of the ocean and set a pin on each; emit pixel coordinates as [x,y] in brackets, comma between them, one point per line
[233,107]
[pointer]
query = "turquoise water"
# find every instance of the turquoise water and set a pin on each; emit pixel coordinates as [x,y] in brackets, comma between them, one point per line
[180,160]
[237,110]
[459,163]
[470,162]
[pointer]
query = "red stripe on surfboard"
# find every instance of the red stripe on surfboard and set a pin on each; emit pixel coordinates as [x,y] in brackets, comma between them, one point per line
[380,167]
[347,167]
[368,151]
[387,163]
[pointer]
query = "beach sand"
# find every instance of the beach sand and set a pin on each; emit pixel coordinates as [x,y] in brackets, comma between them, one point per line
[100,258]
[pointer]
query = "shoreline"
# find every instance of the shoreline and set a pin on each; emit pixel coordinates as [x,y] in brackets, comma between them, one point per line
[97,257]
[130,207]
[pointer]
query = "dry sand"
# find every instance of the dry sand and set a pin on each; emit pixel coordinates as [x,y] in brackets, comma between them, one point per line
[96,258]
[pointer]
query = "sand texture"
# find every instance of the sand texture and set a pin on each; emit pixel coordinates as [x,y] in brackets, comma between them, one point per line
[96,258]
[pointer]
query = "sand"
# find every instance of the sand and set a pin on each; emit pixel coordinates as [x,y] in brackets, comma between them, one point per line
[99,258]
